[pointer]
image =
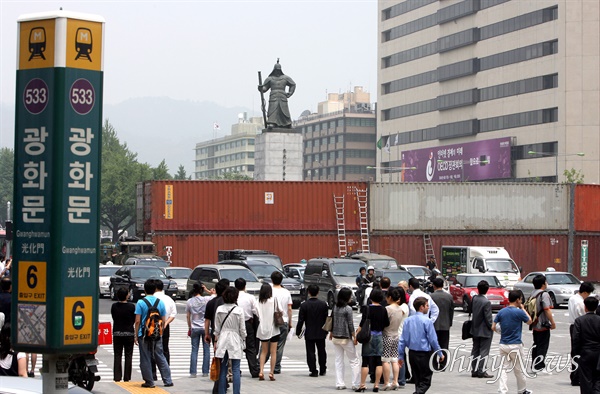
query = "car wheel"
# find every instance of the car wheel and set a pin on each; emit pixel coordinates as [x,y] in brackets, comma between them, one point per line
[113,294]
[131,295]
[465,304]
[553,298]
[330,301]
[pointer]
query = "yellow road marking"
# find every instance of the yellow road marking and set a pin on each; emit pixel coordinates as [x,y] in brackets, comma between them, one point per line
[136,388]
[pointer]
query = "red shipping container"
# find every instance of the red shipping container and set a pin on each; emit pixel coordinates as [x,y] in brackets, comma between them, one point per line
[533,252]
[191,249]
[244,205]
[587,214]
[104,333]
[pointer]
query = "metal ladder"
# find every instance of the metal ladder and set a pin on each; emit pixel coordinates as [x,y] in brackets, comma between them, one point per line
[428,247]
[362,200]
[338,202]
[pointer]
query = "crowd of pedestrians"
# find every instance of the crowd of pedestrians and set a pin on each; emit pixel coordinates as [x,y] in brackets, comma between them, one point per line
[408,334]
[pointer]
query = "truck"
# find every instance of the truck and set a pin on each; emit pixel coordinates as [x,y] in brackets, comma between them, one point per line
[480,259]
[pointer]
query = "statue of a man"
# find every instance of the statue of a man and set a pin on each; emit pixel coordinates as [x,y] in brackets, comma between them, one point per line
[279,113]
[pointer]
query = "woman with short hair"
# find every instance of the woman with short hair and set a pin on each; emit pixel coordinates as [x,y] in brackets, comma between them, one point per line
[342,336]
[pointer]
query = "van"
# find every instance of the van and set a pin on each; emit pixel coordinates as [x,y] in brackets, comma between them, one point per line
[332,274]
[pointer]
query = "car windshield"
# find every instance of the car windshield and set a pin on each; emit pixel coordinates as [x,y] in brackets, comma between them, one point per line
[147,273]
[232,275]
[156,263]
[263,270]
[108,271]
[179,273]
[397,276]
[270,259]
[501,266]
[346,269]
[419,271]
[561,279]
[382,264]
[473,280]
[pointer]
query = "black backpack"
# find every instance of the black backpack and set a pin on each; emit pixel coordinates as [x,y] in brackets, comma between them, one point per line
[153,325]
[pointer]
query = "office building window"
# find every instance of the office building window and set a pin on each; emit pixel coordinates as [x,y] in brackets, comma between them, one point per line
[403,8]
[519,22]
[458,10]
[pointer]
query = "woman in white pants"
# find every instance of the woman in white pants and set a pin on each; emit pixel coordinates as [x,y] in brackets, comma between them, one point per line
[342,336]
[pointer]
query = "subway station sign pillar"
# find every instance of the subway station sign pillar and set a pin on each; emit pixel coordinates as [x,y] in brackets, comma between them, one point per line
[58,129]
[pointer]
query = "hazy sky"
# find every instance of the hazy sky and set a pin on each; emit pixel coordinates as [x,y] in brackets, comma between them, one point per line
[211,50]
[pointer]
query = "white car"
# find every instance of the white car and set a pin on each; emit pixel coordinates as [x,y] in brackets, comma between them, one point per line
[561,285]
[105,272]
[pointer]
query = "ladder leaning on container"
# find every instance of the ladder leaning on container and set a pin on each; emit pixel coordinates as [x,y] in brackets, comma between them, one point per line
[338,202]
[362,200]
[428,247]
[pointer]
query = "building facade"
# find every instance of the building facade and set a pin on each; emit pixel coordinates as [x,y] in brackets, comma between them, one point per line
[339,142]
[230,154]
[453,74]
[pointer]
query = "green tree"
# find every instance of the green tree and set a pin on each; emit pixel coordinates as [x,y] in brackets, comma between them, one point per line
[181,174]
[233,176]
[161,173]
[7,163]
[573,176]
[120,174]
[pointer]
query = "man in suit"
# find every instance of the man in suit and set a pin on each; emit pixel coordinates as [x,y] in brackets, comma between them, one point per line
[444,321]
[313,314]
[481,330]
[586,343]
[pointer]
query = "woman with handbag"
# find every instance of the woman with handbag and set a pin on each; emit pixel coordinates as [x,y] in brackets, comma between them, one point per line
[397,311]
[372,350]
[342,336]
[230,336]
[268,332]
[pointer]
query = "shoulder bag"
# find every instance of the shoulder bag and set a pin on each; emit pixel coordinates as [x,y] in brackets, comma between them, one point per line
[364,335]
[278,314]
[328,326]
[466,328]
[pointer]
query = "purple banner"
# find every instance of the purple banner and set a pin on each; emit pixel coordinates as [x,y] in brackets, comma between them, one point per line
[471,161]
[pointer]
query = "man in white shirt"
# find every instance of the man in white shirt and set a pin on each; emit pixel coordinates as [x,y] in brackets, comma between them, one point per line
[171,313]
[576,309]
[284,302]
[248,304]
[413,285]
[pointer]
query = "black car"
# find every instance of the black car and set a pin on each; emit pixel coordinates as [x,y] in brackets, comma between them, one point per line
[149,260]
[263,270]
[133,277]
[395,275]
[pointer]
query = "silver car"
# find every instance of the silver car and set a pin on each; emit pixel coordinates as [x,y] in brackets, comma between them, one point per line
[561,285]
[105,272]
[180,275]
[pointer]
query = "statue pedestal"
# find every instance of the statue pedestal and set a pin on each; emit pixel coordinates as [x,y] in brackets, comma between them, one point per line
[278,155]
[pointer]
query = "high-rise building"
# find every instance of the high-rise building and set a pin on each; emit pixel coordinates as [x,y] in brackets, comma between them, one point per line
[230,154]
[340,140]
[505,90]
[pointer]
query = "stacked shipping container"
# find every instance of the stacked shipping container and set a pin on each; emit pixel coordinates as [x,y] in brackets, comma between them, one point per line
[297,220]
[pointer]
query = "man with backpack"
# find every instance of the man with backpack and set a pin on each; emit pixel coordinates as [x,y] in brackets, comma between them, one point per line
[543,322]
[150,318]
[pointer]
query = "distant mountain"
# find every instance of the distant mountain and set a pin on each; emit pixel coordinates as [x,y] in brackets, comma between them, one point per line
[156,128]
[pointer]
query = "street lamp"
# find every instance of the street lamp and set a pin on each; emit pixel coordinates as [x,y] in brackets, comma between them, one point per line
[531,152]
[473,162]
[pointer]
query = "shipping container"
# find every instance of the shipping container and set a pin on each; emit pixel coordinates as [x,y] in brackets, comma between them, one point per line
[246,206]
[531,251]
[587,214]
[468,207]
[189,249]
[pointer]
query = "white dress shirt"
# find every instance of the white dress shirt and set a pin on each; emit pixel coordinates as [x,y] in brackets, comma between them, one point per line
[170,306]
[248,304]
[576,308]
[434,311]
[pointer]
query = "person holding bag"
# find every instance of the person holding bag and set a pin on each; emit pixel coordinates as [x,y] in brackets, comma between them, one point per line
[230,336]
[343,339]
[313,313]
[373,349]
[267,332]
